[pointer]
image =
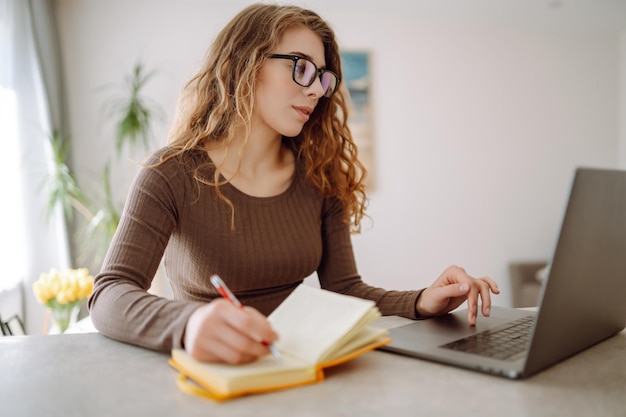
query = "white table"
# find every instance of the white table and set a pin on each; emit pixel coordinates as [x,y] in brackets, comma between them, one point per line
[88,374]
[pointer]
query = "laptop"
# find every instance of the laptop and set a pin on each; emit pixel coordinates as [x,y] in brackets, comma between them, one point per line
[581,303]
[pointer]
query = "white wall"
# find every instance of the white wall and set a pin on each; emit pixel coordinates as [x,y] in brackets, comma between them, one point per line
[622,100]
[482,111]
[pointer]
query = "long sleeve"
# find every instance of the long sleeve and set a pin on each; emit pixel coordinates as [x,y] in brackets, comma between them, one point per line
[120,305]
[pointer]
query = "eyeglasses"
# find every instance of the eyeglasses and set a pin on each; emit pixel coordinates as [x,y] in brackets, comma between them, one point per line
[305,71]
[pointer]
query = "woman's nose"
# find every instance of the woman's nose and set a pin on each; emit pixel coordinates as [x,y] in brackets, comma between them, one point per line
[316,89]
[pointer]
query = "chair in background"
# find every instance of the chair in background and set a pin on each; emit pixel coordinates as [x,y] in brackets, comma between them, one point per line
[525,283]
[12,326]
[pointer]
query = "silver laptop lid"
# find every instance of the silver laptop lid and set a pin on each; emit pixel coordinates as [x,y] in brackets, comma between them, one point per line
[584,300]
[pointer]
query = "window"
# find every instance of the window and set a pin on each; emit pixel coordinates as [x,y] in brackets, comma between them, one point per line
[12,253]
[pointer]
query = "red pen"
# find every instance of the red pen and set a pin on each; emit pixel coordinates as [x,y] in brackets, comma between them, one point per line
[227,294]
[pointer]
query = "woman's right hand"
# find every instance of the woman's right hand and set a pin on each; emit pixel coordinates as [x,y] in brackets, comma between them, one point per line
[221,332]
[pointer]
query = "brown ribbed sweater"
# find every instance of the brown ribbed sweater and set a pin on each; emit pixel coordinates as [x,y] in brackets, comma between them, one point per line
[277,242]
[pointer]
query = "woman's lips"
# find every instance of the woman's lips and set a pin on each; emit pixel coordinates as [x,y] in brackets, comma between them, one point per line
[304,112]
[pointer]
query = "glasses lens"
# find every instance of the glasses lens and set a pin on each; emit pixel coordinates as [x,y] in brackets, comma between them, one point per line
[329,83]
[304,72]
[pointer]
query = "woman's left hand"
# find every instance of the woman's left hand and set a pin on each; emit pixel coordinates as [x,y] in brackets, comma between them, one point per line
[451,289]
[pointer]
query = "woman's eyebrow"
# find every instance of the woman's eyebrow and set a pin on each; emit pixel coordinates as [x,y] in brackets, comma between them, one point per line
[298,53]
[303,55]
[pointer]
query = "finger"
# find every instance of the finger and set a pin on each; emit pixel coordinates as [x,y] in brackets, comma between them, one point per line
[485,298]
[238,330]
[449,297]
[232,346]
[452,290]
[248,321]
[493,286]
[452,275]
[472,305]
[260,327]
[487,286]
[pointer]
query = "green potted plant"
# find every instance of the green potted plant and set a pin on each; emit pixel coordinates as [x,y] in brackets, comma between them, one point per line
[133,116]
[132,112]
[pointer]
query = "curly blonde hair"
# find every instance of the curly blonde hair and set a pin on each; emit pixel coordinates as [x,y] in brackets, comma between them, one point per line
[219,99]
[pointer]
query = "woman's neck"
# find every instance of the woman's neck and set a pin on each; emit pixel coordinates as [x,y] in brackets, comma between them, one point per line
[260,166]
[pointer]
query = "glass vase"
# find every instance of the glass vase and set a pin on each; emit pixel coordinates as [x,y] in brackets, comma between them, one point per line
[63,315]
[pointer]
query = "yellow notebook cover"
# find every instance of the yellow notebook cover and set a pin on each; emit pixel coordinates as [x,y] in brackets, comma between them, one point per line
[317,329]
[193,378]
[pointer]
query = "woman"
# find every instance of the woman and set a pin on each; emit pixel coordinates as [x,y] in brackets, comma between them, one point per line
[261,185]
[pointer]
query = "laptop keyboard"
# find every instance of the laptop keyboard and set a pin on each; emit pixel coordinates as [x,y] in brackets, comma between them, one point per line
[505,344]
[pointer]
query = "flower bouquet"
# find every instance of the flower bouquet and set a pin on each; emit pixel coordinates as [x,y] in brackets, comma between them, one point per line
[63,293]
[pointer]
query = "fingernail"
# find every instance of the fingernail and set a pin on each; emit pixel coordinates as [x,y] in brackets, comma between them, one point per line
[463,287]
[487,311]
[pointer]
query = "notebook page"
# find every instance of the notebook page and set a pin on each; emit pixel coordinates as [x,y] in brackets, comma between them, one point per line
[311,321]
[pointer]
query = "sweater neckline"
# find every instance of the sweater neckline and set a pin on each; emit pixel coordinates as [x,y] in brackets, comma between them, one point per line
[295,178]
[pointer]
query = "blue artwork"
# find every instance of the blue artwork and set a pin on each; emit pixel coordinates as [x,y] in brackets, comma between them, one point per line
[357,80]
[355,67]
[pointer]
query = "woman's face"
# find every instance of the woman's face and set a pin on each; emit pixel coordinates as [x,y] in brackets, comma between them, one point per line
[282,107]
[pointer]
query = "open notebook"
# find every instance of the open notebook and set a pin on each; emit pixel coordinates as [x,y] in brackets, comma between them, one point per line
[317,329]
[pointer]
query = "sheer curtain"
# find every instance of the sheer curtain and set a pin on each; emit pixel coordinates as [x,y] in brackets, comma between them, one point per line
[30,109]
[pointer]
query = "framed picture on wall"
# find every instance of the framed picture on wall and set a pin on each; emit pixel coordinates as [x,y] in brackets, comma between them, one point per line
[357,80]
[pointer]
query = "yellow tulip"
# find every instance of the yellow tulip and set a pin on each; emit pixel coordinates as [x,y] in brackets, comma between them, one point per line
[62,297]
[40,292]
[69,286]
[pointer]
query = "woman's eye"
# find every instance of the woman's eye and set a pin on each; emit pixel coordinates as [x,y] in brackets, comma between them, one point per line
[300,67]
